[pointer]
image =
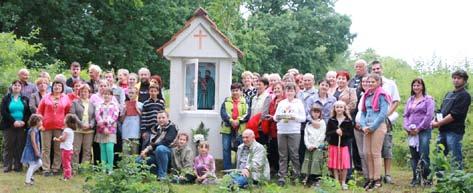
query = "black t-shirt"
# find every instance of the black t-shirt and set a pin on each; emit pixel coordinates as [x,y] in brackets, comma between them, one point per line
[143,92]
[455,103]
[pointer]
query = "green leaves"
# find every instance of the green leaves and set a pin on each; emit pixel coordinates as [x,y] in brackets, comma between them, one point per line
[129,176]
[274,35]
[308,35]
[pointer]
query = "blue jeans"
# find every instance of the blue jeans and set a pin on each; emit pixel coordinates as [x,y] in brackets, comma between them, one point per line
[452,143]
[163,154]
[160,158]
[422,154]
[240,180]
[227,149]
[151,161]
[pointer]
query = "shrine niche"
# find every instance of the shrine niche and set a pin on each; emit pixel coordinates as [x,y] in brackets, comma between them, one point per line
[201,59]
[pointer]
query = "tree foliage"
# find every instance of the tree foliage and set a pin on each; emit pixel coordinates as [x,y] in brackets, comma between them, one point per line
[276,35]
[15,53]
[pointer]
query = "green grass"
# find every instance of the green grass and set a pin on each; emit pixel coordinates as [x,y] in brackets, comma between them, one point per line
[13,182]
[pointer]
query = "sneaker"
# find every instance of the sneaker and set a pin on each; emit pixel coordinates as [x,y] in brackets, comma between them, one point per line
[6,169]
[29,183]
[344,186]
[427,183]
[305,180]
[388,179]
[281,182]
[47,173]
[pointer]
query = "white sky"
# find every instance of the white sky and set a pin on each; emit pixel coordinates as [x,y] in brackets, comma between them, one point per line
[412,29]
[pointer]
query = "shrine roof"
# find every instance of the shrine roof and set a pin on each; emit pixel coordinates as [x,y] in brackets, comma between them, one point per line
[200,12]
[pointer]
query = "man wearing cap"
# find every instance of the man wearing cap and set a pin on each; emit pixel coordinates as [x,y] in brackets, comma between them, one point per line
[451,118]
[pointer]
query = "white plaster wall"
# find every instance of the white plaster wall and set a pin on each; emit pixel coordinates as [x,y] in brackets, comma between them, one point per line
[187,120]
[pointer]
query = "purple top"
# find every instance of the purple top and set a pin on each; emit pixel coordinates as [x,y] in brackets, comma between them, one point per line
[204,164]
[419,115]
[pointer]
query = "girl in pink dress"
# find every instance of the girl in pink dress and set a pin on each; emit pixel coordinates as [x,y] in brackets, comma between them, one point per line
[339,133]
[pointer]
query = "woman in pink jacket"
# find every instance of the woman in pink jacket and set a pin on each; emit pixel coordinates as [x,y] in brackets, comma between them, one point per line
[53,107]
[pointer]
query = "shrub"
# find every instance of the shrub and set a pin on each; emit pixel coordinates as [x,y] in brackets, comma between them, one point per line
[448,179]
[129,176]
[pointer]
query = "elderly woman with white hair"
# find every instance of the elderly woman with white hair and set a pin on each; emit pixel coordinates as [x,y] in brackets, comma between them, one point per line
[62,78]
[94,75]
[249,91]
[122,75]
[273,79]
[331,76]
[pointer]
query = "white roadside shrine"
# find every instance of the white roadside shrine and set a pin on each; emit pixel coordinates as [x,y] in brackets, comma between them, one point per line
[201,75]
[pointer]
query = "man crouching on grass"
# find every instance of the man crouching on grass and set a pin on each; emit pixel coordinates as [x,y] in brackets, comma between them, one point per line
[252,162]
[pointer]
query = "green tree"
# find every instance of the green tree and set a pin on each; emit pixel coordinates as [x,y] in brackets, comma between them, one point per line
[308,35]
[126,33]
[15,53]
[276,35]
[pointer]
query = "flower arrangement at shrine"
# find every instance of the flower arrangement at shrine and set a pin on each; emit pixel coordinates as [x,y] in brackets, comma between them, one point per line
[200,133]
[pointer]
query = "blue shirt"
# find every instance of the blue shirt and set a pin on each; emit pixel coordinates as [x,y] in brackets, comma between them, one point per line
[16,108]
[373,119]
[325,105]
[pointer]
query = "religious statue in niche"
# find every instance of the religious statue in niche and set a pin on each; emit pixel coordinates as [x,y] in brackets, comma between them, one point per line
[206,86]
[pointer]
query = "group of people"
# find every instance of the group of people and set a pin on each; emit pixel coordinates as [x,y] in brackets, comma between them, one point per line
[344,124]
[89,121]
[340,123]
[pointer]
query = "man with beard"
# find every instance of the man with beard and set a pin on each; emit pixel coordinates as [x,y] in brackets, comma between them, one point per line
[143,85]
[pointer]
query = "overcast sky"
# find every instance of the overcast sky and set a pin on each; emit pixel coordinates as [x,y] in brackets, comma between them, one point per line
[412,29]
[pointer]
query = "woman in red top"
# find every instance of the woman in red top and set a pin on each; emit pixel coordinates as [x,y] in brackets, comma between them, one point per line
[269,126]
[53,107]
[76,85]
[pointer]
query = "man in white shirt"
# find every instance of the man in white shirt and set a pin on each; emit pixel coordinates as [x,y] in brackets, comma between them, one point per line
[391,88]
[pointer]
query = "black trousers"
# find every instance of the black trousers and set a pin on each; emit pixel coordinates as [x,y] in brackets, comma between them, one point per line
[356,157]
[13,143]
[263,138]
[273,155]
[302,146]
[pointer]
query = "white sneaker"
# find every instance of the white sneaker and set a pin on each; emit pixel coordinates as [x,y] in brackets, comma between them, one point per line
[344,186]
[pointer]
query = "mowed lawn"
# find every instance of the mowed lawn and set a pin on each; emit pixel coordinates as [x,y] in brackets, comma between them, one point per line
[13,182]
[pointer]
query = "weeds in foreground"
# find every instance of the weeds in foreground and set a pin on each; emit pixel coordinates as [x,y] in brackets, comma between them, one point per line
[448,178]
[129,176]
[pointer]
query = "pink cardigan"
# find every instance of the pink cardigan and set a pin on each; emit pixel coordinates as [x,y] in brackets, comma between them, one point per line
[54,115]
